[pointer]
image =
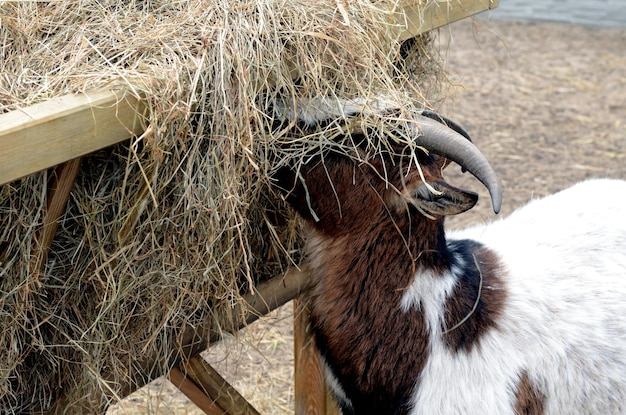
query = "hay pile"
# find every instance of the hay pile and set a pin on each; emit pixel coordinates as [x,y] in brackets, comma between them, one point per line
[166,231]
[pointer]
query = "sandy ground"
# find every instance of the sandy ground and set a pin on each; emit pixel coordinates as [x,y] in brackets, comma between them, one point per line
[546,103]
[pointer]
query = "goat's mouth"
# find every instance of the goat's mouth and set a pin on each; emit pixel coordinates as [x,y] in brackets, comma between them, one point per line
[436,199]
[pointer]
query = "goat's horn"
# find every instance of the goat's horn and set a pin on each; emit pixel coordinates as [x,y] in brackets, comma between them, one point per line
[442,140]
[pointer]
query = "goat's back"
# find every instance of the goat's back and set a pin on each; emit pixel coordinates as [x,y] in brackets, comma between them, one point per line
[564,263]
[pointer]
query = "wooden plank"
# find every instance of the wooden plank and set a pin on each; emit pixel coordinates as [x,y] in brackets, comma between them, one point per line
[202,384]
[63,128]
[271,294]
[209,390]
[311,394]
[194,393]
[420,16]
[217,389]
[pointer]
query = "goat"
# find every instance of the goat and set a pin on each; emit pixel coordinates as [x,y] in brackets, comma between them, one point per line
[520,316]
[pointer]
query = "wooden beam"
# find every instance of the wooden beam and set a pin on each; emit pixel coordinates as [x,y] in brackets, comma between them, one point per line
[269,296]
[195,394]
[218,391]
[311,394]
[202,384]
[59,187]
[415,17]
[60,129]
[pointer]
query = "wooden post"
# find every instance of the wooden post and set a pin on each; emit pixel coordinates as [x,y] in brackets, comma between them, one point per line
[59,188]
[312,396]
[57,194]
[414,17]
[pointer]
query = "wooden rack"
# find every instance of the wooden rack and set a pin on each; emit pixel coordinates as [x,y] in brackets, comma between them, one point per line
[59,131]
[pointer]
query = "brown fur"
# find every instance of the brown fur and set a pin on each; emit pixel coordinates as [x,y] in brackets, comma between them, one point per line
[366,243]
[357,317]
[361,261]
[528,399]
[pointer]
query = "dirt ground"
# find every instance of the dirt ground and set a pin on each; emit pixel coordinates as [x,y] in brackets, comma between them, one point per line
[546,103]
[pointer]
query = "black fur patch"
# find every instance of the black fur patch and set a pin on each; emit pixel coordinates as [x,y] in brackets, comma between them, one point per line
[478,298]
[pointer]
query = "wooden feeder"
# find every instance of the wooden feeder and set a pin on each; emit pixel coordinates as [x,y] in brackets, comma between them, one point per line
[55,134]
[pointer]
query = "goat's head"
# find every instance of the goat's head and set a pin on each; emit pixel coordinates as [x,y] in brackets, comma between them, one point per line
[338,192]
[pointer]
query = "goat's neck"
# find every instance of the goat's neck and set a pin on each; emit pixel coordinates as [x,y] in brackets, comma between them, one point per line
[359,282]
[363,323]
[363,271]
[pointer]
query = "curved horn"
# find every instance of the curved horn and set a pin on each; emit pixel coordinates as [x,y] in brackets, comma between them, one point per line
[442,140]
[447,122]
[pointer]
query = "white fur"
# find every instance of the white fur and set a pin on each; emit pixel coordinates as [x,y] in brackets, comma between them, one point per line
[335,387]
[428,294]
[564,321]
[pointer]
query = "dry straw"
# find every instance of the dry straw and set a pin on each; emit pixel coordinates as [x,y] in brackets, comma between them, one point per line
[166,231]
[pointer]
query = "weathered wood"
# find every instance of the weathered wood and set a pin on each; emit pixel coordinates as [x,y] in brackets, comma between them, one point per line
[58,192]
[273,293]
[415,17]
[208,389]
[60,129]
[59,188]
[194,393]
[311,393]
[216,388]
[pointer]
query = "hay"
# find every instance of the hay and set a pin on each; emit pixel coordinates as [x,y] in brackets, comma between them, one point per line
[168,230]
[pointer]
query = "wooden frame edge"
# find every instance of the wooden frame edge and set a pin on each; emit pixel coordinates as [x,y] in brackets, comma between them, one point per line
[60,129]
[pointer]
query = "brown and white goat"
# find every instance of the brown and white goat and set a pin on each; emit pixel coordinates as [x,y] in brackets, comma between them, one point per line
[521,316]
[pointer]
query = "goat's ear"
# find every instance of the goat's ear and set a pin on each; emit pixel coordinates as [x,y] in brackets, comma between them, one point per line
[285,180]
[439,198]
[291,185]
